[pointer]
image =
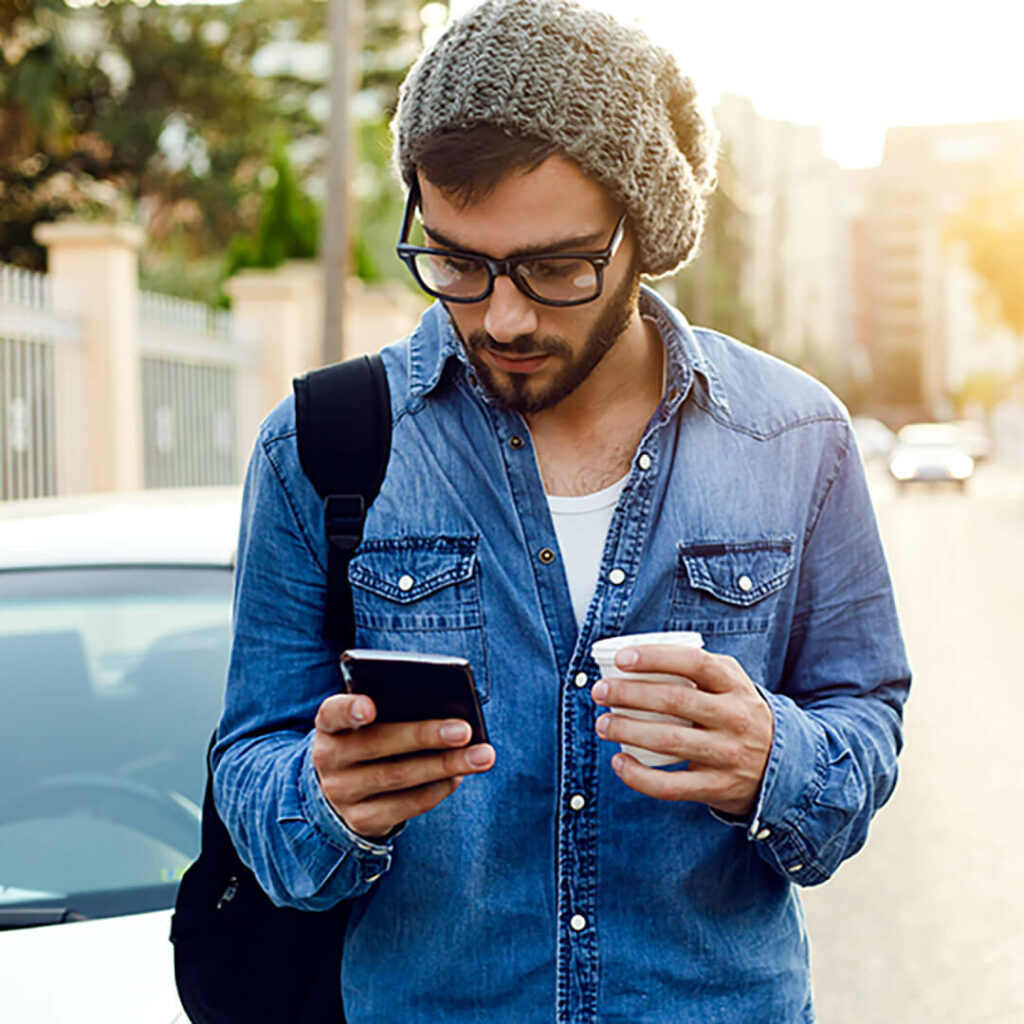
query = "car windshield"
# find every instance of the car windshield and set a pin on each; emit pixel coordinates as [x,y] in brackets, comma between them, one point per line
[931,448]
[930,434]
[110,684]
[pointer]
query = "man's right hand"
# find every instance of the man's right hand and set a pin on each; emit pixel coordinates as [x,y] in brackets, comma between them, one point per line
[377,776]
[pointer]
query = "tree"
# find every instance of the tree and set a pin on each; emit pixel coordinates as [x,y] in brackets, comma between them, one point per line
[709,287]
[154,113]
[393,31]
[289,223]
[992,226]
[168,115]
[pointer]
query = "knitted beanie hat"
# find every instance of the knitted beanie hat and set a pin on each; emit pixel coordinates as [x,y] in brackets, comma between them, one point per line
[600,92]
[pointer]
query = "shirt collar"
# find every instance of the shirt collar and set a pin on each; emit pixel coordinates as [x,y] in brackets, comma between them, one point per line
[435,341]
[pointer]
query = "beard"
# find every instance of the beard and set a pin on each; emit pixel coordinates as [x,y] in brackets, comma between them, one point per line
[517,392]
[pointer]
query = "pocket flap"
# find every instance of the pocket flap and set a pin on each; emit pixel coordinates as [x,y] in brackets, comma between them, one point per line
[739,573]
[410,568]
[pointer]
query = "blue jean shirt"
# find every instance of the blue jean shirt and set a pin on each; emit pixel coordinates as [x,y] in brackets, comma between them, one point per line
[545,889]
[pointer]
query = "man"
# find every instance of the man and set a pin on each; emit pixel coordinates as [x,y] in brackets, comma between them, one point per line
[570,461]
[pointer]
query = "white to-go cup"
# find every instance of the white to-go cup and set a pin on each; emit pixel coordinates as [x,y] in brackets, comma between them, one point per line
[604,652]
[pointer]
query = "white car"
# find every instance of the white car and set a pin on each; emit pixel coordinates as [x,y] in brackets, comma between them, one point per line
[874,439]
[975,438]
[930,453]
[114,634]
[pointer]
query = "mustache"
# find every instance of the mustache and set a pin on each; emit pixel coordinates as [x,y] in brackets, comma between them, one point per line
[523,345]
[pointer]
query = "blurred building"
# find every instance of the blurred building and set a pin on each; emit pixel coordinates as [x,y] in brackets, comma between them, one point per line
[794,201]
[924,326]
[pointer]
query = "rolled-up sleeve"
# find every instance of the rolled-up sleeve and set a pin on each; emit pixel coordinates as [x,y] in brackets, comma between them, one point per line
[838,708]
[265,786]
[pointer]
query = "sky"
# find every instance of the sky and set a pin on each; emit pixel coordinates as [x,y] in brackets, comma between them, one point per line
[851,69]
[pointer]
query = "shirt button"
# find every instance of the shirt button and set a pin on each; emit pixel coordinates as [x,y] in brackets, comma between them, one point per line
[764,834]
[406,583]
[644,462]
[546,555]
[616,576]
[516,442]
[577,802]
[577,922]
[745,583]
[793,868]
[580,681]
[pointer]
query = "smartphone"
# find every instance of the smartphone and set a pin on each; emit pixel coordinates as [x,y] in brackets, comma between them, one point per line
[408,686]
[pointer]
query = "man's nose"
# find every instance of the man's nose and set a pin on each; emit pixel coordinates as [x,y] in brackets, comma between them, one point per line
[510,314]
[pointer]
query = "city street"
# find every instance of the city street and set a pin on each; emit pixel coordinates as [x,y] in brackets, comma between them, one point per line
[926,924]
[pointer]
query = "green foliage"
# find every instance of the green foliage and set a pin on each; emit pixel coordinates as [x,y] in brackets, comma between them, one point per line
[153,113]
[289,224]
[992,226]
[982,390]
[709,288]
[391,42]
[381,204]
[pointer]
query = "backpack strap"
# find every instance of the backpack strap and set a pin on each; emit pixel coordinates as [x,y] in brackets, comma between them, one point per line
[343,425]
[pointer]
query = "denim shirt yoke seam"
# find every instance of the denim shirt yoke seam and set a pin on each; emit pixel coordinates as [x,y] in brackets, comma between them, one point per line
[290,437]
[837,469]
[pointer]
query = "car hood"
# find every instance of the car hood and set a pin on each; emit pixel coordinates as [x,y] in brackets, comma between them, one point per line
[116,969]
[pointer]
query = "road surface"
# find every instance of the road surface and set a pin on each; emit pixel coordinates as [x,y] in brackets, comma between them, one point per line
[926,924]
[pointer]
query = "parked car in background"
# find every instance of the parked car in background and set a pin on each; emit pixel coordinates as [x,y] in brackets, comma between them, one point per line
[114,635]
[874,439]
[975,438]
[930,453]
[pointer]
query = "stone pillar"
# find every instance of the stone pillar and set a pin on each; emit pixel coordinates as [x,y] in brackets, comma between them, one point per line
[378,314]
[283,309]
[99,263]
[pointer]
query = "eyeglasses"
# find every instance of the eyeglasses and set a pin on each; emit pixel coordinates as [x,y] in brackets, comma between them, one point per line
[552,278]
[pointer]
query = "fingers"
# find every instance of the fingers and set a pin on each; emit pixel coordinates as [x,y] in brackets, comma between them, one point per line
[376,818]
[702,785]
[718,789]
[345,733]
[377,775]
[667,698]
[334,752]
[685,743]
[344,711]
[373,797]
[716,673]
[726,733]
[369,779]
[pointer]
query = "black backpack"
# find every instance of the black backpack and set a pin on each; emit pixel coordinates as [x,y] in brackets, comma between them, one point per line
[238,958]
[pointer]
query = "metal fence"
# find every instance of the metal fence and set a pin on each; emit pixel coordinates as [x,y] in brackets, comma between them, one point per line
[31,329]
[191,358]
[193,366]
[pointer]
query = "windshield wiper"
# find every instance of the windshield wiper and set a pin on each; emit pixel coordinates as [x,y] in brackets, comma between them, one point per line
[31,917]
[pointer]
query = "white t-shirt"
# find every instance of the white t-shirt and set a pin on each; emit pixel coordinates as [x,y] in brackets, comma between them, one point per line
[581,525]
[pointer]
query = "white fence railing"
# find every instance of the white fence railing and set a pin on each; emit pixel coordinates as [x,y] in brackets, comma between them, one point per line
[32,328]
[191,362]
[191,357]
[129,389]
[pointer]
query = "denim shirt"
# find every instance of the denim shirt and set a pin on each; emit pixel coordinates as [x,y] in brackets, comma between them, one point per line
[545,889]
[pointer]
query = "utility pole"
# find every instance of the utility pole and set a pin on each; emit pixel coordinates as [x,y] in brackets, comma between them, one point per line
[344,32]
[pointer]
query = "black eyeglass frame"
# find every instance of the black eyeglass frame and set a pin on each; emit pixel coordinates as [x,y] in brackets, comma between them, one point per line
[599,260]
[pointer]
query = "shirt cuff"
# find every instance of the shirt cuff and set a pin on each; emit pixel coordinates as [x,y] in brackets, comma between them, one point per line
[372,856]
[794,774]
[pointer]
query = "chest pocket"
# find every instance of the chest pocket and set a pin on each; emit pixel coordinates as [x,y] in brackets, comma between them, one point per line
[728,591]
[421,594]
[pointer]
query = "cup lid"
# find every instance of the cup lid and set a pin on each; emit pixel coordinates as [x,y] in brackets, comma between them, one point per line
[607,649]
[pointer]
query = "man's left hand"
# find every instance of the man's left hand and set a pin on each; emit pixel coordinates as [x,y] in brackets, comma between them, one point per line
[727,743]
